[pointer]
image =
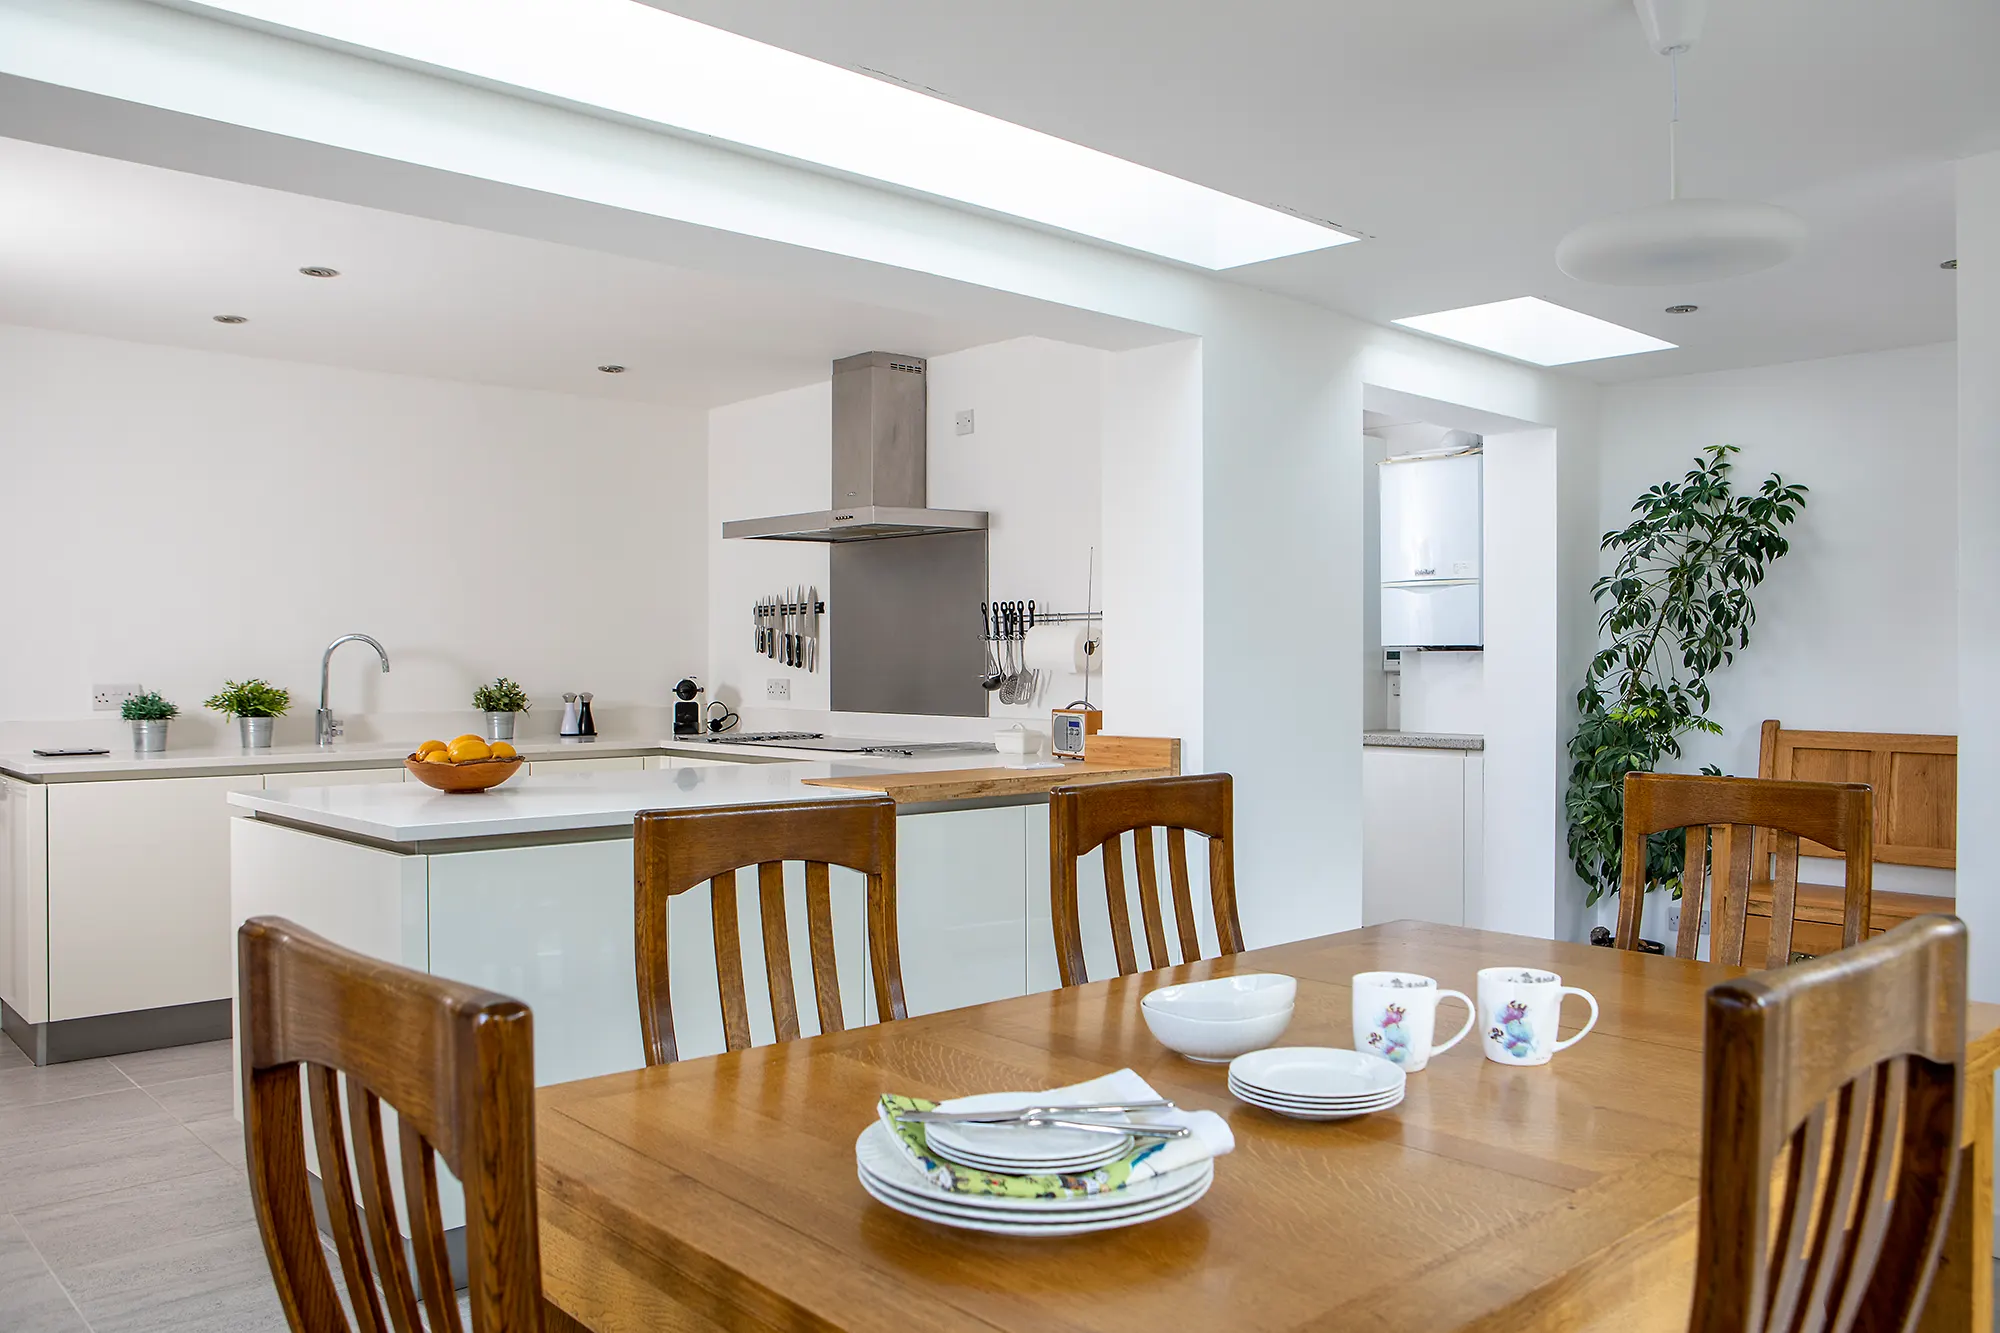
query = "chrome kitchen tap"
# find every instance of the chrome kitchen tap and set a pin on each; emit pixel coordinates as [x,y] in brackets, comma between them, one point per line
[326,727]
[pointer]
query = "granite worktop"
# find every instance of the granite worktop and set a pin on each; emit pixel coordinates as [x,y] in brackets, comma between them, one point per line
[1424,740]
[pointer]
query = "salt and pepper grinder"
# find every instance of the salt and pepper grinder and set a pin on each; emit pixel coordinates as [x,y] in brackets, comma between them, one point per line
[572,722]
[585,725]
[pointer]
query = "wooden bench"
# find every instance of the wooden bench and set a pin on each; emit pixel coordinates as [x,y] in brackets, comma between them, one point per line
[1916,824]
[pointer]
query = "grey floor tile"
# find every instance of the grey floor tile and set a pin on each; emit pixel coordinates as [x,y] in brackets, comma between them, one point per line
[12,1056]
[224,1135]
[202,1098]
[31,1085]
[218,1284]
[31,1300]
[159,1151]
[176,1062]
[74,1234]
[51,1126]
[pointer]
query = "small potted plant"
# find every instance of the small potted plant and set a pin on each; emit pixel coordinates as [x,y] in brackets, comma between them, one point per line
[254,704]
[149,714]
[500,701]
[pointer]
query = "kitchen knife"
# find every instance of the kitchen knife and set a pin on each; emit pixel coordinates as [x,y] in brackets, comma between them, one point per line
[798,627]
[771,627]
[812,628]
[791,623]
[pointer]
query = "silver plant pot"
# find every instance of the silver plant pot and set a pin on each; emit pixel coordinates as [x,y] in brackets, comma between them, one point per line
[149,735]
[256,732]
[499,726]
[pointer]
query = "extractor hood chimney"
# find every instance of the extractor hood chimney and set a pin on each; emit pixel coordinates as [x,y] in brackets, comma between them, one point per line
[878,462]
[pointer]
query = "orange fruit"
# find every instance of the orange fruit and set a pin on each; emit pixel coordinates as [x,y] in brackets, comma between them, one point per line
[502,750]
[428,746]
[437,757]
[467,749]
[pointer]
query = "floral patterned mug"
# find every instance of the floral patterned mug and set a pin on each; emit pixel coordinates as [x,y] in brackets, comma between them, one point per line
[1395,1017]
[1519,1008]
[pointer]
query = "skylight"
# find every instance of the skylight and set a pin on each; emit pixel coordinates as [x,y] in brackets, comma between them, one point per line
[636,61]
[1530,329]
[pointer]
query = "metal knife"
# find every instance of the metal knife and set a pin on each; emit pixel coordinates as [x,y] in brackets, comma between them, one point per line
[1026,1112]
[791,627]
[812,628]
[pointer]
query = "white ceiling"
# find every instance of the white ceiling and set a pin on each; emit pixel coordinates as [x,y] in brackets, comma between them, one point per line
[1467,136]
[101,246]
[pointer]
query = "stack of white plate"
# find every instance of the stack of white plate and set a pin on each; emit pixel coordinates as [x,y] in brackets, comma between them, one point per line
[1316,1082]
[888,1174]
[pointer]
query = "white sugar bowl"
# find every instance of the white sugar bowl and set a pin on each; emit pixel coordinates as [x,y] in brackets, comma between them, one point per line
[1216,1021]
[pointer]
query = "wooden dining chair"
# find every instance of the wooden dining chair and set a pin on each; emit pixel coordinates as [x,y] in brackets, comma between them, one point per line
[1086,817]
[1830,1127]
[456,1064]
[1837,815]
[675,850]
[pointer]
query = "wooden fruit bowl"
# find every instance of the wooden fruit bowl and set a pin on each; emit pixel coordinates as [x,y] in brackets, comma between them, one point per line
[475,776]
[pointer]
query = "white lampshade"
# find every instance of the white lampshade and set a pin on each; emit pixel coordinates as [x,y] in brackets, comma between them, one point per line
[1681,241]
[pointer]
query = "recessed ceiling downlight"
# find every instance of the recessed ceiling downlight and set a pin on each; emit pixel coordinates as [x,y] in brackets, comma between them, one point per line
[1682,309]
[317,271]
[232,319]
[1540,332]
[612,370]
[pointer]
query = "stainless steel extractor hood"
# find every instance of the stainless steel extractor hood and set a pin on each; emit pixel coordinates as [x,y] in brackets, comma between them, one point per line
[878,462]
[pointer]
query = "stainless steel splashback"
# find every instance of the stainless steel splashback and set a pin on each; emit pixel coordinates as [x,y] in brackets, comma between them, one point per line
[903,633]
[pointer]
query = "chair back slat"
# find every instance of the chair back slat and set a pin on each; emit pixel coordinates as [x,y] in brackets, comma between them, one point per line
[729,962]
[777,949]
[348,1034]
[420,1189]
[1847,1070]
[1096,816]
[1149,897]
[1738,829]
[1177,874]
[819,935]
[676,850]
[1114,894]
[323,1096]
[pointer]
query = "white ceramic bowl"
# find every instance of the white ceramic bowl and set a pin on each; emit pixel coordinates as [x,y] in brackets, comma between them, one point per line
[1215,1041]
[1247,996]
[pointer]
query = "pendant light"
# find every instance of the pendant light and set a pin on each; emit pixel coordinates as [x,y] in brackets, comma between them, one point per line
[1682,240]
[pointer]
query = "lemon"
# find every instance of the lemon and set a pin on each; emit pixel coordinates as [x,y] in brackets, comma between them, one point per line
[467,749]
[502,750]
[437,757]
[428,746]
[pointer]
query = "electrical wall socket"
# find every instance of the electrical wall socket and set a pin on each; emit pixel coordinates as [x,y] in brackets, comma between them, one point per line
[964,422]
[107,698]
[778,690]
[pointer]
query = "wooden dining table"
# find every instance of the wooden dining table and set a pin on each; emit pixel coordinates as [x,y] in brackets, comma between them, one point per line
[721,1192]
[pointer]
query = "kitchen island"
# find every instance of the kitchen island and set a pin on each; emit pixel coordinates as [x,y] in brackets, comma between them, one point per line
[527,889]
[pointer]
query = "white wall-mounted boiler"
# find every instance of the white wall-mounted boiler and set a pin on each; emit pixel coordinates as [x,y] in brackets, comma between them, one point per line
[1433,534]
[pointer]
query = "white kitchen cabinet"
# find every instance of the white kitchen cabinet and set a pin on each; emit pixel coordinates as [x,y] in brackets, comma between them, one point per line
[24,898]
[138,893]
[961,915]
[660,761]
[335,777]
[635,763]
[1422,834]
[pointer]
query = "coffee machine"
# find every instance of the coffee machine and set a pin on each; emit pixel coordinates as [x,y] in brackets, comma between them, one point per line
[687,709]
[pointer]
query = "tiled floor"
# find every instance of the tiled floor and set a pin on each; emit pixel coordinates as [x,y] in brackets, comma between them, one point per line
[123,1202]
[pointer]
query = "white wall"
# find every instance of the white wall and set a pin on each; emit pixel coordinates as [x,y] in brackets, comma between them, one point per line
[174,518]
[1032,462]
[1857,626]
[1978,552]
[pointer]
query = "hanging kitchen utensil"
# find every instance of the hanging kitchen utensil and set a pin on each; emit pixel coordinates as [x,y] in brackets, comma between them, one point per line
[812,628]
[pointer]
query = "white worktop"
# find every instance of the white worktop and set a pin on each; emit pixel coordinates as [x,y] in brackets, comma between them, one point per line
[217,760]
[535,804]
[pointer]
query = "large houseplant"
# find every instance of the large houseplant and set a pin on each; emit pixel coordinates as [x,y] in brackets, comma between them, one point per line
[253,703]
[1676,608]
[500,700]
